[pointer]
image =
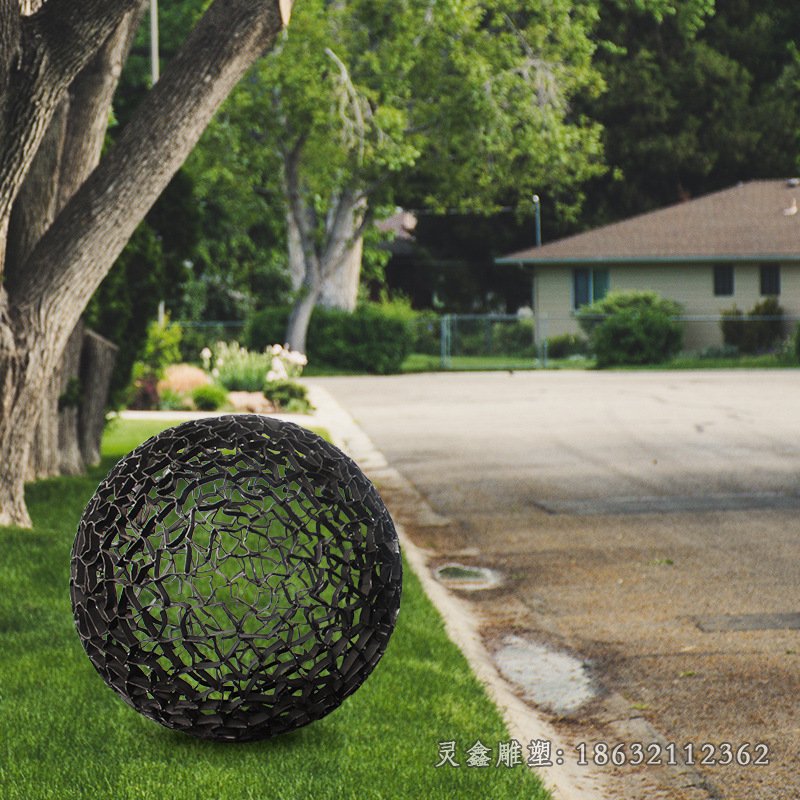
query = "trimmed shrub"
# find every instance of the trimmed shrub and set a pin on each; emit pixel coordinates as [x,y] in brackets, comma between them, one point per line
[210,397]
[513,338]
[170,400]
[375,338]
[632,328]
[566,345]
[288,396]
[749,334]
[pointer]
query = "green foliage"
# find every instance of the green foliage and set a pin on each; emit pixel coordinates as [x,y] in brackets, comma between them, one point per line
[566,345]
[210,397]
[700,96]
[239,369]
[162,346]
[513,338]
[375,338]
[750,334]
[289,396]
[791,347]
[372,339]
[426,332]
[128,297]
[170,400]
[455,105]
[632,328]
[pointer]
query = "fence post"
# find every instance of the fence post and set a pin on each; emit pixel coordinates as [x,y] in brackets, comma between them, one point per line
[444,341]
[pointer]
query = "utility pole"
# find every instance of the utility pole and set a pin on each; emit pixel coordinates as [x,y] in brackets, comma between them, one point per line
[155,72]
[537,209]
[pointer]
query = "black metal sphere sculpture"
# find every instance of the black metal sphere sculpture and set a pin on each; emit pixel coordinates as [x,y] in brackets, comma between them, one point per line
[235,578]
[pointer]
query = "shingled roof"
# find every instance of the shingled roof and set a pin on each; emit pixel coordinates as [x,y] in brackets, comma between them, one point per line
[752,221]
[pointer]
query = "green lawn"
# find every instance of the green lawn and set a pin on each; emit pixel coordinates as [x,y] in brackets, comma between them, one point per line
[64,734]
[418,362]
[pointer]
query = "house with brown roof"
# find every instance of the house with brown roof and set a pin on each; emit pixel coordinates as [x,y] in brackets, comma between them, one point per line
[732,247]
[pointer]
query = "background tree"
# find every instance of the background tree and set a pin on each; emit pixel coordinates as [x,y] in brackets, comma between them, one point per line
[366,105]
[698,97]
[47,284]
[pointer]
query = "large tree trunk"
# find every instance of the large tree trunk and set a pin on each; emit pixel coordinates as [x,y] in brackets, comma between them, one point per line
[68,153]
[42,301]
[341,289]
[23,377]
[326,271]
[299,319]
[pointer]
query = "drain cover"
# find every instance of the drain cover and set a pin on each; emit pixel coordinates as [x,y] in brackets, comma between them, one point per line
[749,622]
[459,576]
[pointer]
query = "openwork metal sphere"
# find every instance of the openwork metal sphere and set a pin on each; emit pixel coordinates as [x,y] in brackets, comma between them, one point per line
[235,578]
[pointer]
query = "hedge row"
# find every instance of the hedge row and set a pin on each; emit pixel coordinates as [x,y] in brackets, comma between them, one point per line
[374,338]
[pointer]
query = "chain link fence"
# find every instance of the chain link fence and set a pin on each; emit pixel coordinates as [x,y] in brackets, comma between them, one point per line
[520,341]
[510,341]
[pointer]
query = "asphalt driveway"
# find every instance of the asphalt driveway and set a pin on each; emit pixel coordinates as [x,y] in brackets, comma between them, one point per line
[646,522]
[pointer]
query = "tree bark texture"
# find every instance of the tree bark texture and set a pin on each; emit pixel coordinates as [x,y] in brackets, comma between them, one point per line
[42,301]
[70,460]
[327,271]
[41,54]
[98,356]
[68,153]
[340,290]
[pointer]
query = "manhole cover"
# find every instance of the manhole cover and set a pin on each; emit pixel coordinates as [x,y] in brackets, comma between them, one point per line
[459,576]
[749,622]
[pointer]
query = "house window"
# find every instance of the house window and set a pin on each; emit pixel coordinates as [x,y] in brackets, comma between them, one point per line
[723,280]
[588,285]
[770,280]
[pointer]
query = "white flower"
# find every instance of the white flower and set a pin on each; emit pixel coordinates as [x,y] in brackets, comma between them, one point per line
[215,372]
[276,350]
[205,353]
[279,369]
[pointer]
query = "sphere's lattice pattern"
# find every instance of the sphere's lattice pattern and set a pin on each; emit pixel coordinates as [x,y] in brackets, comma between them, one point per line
[235,577]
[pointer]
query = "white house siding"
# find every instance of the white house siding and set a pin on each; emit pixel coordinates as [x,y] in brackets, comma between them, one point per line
[692,285]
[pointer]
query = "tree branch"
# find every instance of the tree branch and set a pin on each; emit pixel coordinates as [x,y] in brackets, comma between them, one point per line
[73,30]
[76,253]
[55,43]
[300,212]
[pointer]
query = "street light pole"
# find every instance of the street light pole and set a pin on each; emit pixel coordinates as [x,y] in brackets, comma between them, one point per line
[154,66]
[539,329]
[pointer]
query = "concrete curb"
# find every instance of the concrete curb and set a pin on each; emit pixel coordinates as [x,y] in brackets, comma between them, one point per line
[566,781]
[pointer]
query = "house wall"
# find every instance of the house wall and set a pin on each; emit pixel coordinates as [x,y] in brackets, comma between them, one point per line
[692,285]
